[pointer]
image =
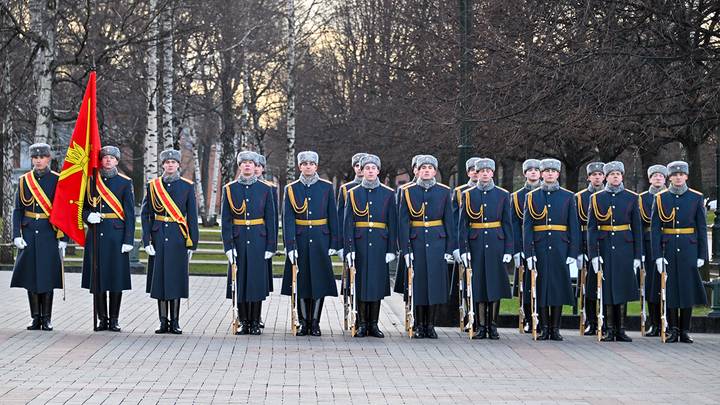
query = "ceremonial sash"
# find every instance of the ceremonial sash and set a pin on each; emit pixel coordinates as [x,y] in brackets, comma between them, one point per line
[110,198]
[38,193]
[157,188]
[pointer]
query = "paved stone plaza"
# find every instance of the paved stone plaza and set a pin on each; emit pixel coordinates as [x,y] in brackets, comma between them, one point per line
[207,365]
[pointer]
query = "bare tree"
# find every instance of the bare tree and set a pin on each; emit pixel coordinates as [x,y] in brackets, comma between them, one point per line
[151,136]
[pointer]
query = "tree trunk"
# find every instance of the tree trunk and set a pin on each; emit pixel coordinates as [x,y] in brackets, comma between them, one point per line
[572,172]
[42,23]
[290,149]
[168,134]
[215,174]
[199,190]
[693,159]
[8,145]
[508,174]
[245,111]
[151,136]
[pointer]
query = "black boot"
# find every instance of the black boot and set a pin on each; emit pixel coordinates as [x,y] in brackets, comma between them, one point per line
[430,322]
[620,314]
[243,319]
[374,312]
[609,330]
[673,330]
[175,317]
[685,318]
[317,311]
[480,321]
[544,315]
[362,320]
[255,318]
[115,299]
[34,300]
[46,301]
[419,327]
[304,311]
[101,310]
[163,315]
[493,312]
[555,317]
[653,327]
[591,318]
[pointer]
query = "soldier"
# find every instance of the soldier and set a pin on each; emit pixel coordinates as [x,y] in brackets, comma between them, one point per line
[370,242]
[427,241]
[342,194]
[400,282]
[615,242]
[657,175]
[248,234]
[531,171]
[38,266]
[310,232]
[679,241]
[170,235]
[551,239]
[259,173]
[596,179]
[486,245]
[110,212]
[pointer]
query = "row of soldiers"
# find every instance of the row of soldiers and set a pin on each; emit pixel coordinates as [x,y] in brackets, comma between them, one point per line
[479,225]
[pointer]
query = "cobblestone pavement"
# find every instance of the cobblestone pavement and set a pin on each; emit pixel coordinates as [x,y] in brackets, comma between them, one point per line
[207,365]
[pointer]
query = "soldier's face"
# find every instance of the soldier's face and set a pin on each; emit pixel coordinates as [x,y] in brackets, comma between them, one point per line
[171,166]
[532,175]
[596,178]
[308,168]
[678,179]
[358,170]
[40,162]
[614,178]
[427,172]
[247,168]
[485,175]
[657,180]
[370,172]
[472,174]
[550,176]
[108,162]
[259,169]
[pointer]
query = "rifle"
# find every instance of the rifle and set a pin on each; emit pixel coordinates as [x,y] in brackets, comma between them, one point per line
[663,300]
[233,277]
[533,302]
[293,302]
[643,302]
[461,297]
[470,325]
[600,315]
[410,303]
[581,288]
[353,302]
[521,298]
[346,302]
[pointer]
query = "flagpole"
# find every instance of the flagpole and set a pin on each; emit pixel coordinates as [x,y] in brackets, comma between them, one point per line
[95,280]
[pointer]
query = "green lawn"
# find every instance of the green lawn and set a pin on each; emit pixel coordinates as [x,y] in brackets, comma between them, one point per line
[511,307]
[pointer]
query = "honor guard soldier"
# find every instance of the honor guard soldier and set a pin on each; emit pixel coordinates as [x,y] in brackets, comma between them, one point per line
[486,245]
[248,234]
[259,173]
[657,176]
[310,232]
[596,179]
[110,213]
[370,243]
[400,281]
[457,192]
[531,171]
[679,241]
[615,243]
[38,265]
[170,235]
[342,194]
[427,241]
[551,239]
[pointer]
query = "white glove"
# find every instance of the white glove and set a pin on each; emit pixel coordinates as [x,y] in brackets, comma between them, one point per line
[389,257]
[62,245]
[350,259]
[125,248]
[341,253]
[150,250]
[595,264]
[332,252]
[642,258]
[507,257]
[20,243]
[190,253]
[231,254]
[465,258]
[456,255]
[573,267]
[409,258]
[94,218]
[636,265]
[660,262]
[449,258]
[531,263]
[518,260]
[700,262]
[268,255]
[580,261]
[292,256]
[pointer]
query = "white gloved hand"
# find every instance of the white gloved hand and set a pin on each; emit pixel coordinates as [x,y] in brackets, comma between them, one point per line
[150,250]
[580,261]
[20,243]
[350,259]
[190,253]
[518,260]
[531,261]
[268,255]
[595,264]
[465,258]
[332,252]
[94,218]
[700,262]
[389,257]
[292,256]
[408,259]
[449,258]
[456,255]
[62,245]
[660,262]
[572,266]
[642,258]
[125,248]
[231,254]
[636,265]
[507,258]
[341,253]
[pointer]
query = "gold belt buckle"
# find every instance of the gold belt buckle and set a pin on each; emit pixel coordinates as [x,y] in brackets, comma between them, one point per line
[426,224]
[37,216]
[166,218]
[247,222]
[370,224]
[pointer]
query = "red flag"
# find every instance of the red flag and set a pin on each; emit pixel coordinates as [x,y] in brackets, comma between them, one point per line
[81,160]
